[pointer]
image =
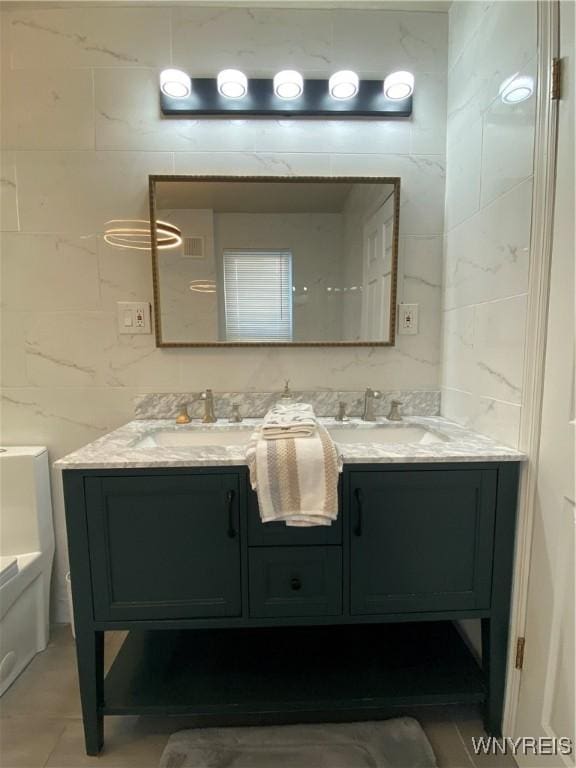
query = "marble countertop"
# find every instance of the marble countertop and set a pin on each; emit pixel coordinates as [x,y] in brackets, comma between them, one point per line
[132,445]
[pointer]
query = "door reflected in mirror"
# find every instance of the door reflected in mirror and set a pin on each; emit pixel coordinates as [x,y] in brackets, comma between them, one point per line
[269,261]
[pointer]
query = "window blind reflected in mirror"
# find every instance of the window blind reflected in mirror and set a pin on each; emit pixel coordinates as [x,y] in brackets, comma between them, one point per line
[258,295]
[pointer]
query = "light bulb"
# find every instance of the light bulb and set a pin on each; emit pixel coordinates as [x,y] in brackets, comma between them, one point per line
[288,84]
[343,85]
[516,88]
[232,83]
[175,83]
[399,85]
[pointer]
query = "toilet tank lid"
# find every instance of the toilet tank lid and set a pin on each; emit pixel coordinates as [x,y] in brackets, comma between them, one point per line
[21,450]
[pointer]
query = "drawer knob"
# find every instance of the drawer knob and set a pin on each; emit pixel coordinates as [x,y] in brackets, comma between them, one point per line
[295,583]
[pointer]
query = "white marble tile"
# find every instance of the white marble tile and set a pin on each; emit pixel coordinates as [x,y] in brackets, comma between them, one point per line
[49,272]
[362,136]
[507,144]
[13,359]
[499,335]
[463,176]
[257,163]
[504,43]
[89,37]
[47,109]
[125,275]
[9,220]
[458,356]
[77,192]
[420,279]
[457,405]
[487,257]
[428,121]
[501,421]
[377,42]
[257,40]
[128,117]
[464,20]
[67,348]
[421,186]
[84,349]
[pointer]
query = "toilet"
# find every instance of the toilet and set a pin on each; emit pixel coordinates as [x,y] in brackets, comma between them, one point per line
[26,556]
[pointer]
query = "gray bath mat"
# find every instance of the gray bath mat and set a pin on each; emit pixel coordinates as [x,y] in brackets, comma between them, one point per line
[398,743]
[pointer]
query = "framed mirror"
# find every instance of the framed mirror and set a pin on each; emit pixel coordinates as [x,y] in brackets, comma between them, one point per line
[274,261]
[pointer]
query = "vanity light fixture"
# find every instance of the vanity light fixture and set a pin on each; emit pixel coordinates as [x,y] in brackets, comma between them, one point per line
[232,83]
[288,84]
[516,88]
[135,234]
[399,86]
[343,85]
[175,83]
[288,95]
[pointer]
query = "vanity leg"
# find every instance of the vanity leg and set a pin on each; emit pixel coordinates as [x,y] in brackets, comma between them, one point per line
[494,656]
[90,654]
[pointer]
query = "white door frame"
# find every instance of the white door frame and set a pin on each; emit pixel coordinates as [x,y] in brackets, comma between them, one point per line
[535,346]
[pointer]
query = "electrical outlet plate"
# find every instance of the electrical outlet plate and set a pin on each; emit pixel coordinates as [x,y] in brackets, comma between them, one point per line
[134,317]
[408,319]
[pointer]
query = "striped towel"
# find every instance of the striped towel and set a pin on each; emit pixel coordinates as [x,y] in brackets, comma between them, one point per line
[289,420]
[296,479]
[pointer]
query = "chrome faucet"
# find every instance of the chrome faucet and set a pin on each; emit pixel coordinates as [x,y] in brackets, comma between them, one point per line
[369,396]
[209,415]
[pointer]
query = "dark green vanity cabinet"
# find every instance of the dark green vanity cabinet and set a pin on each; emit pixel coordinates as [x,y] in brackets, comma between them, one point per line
[234,621]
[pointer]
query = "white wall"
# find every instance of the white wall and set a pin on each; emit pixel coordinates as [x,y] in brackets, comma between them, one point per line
[81,131]
[488,213]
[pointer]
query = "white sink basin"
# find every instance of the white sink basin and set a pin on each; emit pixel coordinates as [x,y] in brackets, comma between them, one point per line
[384,435]
[192,439]
[345,435]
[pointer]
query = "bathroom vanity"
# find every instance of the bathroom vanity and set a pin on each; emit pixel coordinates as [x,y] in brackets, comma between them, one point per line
[232,621]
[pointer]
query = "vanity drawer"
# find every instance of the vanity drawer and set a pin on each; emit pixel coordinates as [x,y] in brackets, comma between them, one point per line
[295,581]
[279,534]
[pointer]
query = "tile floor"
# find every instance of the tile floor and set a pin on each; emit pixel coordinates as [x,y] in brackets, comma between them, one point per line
[40,723]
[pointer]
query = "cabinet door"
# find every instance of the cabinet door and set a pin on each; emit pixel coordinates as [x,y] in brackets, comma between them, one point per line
[421,540]
[164,546]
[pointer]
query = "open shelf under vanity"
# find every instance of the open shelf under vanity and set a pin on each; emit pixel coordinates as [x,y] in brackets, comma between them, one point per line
[265,674]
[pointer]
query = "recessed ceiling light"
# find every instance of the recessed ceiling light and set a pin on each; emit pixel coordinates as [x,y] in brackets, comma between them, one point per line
[516,88]
[399,85]
[175,83]
[232,83]
[343,85]
[288,84]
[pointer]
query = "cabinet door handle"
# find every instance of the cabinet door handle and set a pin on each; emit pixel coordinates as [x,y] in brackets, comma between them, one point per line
[295,583]
[230,508]
[359,496]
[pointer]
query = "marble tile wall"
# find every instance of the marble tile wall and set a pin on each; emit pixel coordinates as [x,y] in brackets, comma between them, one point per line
[81,131]
[488,212]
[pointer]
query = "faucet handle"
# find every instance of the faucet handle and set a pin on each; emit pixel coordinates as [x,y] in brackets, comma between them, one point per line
[341,411]
[183,416]
[236,416]
[394,413]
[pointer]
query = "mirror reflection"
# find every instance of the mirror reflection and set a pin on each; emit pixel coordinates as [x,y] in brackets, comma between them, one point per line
[278,262]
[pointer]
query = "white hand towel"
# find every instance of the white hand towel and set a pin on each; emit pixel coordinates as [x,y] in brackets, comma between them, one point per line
[296,479]
[289,420]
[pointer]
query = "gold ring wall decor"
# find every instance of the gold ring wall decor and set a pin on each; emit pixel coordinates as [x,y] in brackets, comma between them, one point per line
[181,275]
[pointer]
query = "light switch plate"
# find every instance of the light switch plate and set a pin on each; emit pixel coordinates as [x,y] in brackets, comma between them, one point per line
[134,317]
[408,319]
